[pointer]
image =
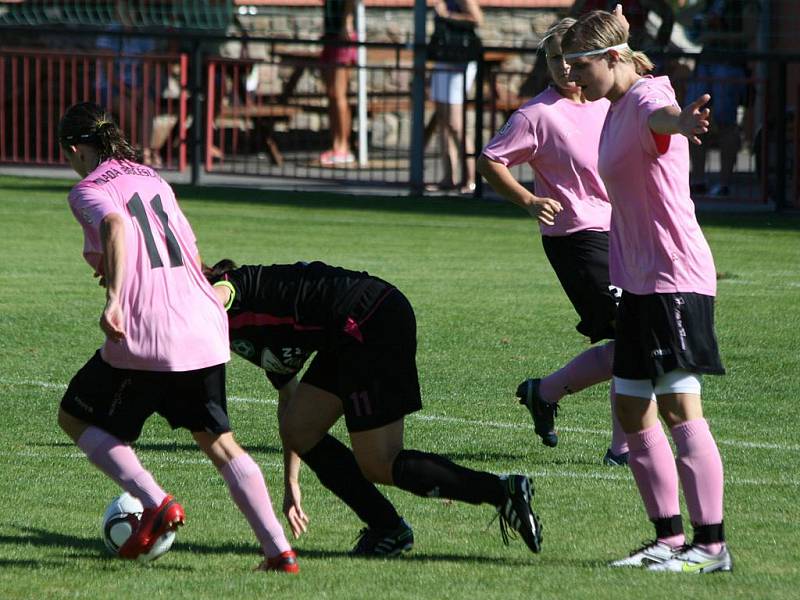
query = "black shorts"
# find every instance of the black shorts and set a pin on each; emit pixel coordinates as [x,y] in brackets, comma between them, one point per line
[119,401]
[659,333]
[376,378]
[580,261]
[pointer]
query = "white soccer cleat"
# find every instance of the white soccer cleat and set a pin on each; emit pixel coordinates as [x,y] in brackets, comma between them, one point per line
[694,561]
[652,553]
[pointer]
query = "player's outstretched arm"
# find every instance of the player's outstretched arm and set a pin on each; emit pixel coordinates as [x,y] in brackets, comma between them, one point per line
[691,122]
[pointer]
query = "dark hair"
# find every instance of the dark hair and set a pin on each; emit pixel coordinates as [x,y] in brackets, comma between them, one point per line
[217,272]
[88,123]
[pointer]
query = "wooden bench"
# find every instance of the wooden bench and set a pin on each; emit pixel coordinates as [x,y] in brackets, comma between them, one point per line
[263,117]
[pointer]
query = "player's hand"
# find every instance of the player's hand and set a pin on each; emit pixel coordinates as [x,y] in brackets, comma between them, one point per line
[292,509]
[544,210]
[693,120]
[617,12]
[112,321]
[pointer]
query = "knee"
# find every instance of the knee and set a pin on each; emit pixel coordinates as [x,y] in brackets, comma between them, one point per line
[220,449]
[73,427]
[296,438]
[61,419]
[376,469]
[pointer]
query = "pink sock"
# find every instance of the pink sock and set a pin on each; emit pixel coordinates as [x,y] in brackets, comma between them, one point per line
[619,441]
[118,460]
[700,470]
[249,491]
[653,468]
[585,370]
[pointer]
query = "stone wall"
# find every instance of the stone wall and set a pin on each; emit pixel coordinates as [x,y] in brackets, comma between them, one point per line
[503,27]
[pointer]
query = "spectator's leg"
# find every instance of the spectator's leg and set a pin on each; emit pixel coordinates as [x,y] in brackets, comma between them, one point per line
[337,80]
[454,134]
[448,150]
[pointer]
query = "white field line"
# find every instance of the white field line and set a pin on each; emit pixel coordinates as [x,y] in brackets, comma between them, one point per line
[456,420]
[162,459]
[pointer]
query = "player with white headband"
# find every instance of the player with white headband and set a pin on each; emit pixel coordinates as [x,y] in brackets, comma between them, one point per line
[665,320]
[557,134]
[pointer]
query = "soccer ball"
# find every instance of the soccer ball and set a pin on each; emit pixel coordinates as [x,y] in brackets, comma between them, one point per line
[121,519]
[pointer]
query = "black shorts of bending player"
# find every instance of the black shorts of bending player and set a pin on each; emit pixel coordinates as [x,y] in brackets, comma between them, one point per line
[376,379]
[119,401]
[659,333]
[580,261]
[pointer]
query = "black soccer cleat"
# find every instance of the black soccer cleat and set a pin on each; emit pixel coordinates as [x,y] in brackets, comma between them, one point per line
[515,512]
[384,543]
[543,413]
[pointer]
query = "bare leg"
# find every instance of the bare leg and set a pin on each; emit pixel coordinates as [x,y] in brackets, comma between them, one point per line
[305,422]
[247,488]
[455,132]
[448,153]
[336,81]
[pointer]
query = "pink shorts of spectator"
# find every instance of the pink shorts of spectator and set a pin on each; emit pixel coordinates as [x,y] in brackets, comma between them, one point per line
[339,55]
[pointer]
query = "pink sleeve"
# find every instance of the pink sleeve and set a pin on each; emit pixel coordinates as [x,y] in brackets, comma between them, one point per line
[514,144]
[90,205]
[654,144]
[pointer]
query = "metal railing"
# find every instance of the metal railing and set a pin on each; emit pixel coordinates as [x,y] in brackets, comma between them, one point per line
[208,114]
[147,95]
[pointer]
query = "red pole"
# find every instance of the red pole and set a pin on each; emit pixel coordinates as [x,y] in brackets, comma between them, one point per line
[86,79]
[2,108]
[182,116]
[210,114]
[26,109]
[14,107]
[38,117]
[52,118]
[61,87]
[74,73]
[235,133]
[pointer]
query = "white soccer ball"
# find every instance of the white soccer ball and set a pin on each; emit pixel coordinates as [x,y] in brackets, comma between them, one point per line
[121,519]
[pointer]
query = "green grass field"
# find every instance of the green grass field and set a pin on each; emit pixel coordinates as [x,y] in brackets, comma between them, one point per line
[490,313]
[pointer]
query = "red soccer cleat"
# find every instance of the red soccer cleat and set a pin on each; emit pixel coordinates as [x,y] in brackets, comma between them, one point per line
[154,523]
[285,562]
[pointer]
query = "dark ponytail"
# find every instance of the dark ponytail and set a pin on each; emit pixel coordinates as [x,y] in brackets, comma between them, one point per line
[87,123]
[217,272]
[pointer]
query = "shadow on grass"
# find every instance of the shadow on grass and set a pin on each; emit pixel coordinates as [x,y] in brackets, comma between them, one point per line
[34,536]
[416,556]
[24,563]
[187,447]
[455,206]
[318,553]
[481,456]
[89,549]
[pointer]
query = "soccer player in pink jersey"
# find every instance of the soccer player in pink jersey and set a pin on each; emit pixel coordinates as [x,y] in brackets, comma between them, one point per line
[665,320]
[166,337]
[557,134]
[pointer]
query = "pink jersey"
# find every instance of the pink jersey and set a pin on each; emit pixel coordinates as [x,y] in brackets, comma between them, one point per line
[655,244]
[173,321]
[558,138]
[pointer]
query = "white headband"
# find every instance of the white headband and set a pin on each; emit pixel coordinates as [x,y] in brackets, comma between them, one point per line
[618,47]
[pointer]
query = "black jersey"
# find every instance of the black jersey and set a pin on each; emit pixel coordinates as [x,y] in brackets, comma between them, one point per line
[281,314]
